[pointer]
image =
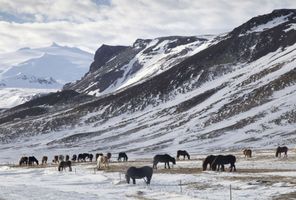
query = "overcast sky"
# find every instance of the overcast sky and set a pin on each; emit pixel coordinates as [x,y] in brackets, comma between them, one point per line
[89,23]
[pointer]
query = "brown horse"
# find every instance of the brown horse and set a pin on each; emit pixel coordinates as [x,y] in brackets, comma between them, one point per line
[24,160]
[44,160]
[64,164]
[280,150]
[247,153]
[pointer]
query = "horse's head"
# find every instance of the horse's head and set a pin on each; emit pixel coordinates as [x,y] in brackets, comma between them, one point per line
[173,160]
[204,165]
[188,156]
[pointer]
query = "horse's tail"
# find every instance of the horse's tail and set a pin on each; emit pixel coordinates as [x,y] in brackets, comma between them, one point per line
[277,153]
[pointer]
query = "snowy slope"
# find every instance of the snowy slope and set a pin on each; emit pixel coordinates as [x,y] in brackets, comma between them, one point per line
[46,69]
[139,62]
[238,91]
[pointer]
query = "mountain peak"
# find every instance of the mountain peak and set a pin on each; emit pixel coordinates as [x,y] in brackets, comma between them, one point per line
[275,19]
[54,44]
[103,54]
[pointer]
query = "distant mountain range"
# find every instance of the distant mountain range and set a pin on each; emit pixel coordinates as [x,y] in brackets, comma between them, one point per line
[43,69]
[199,93]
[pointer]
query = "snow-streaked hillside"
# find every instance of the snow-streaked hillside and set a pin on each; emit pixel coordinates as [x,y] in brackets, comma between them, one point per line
[237,92]
[138,63]
[49,68]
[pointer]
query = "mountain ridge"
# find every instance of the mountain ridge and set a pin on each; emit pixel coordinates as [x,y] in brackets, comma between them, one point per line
[231,91]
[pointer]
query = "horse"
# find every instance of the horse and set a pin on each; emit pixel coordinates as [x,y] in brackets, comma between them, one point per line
[208,161]
[247,153]
[102,160]
[74,158]
[122,155]
[55,159]
[280,150]
[90,156]
[221,160]
[64,164]
[67,158]
[24,160]
[138,173]
[163,158]
[98,154]
[183,153]
[82,157]
[44,160]
[33,160]
[61,158]
[109,155]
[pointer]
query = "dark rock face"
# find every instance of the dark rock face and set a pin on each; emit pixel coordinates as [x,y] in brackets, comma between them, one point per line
[103,54]
[187,98]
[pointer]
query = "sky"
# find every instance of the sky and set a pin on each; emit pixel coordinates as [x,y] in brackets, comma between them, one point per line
[87,24]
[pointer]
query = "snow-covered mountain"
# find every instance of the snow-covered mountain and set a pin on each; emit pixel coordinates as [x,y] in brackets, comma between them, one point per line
[31,71]
[231,91]
[119,67]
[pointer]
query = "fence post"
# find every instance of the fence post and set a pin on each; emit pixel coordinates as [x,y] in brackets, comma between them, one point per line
[230,195]
[181,186]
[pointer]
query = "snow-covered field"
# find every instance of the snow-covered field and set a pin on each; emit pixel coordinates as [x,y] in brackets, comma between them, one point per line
[261,177]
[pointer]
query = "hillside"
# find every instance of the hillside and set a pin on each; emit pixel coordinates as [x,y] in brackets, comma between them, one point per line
[227,92]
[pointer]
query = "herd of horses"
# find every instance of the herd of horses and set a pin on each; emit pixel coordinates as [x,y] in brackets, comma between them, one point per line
[215,162]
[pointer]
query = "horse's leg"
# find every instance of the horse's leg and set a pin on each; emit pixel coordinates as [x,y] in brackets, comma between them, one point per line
[169,165]
[134,180]
[165,165]
[70,169]
[148,180]
[154,165]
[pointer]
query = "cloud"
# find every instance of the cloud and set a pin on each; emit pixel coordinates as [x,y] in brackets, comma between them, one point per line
[89,23]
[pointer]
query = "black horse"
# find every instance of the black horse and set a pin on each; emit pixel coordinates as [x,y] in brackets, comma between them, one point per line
[24,160]
[55,159]
[33,160]
[208,161]
[64,164]
[183,153]
[82,157]
[221,160]
[90,157]
[122,155]
[280,150]
[163,158]
[67,158]
[138,173]
[74,158]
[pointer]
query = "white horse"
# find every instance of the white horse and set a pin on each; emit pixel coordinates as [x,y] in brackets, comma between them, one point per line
[102,160]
